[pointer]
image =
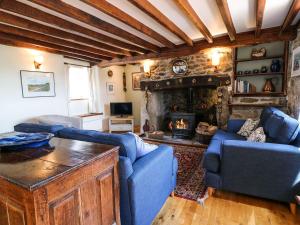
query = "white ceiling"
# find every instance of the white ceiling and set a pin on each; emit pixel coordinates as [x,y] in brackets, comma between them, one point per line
[242,12]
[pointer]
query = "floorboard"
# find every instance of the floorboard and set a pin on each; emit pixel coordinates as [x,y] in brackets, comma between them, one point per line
[226,208]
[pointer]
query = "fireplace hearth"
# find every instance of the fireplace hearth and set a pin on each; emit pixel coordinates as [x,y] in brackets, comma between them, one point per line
[182,125]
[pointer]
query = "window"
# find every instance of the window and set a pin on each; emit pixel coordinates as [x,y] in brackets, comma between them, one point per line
[79,83]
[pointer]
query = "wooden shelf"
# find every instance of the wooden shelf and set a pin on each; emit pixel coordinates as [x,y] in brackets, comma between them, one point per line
[260,74]
[263,58]
[255,105]
[259,94]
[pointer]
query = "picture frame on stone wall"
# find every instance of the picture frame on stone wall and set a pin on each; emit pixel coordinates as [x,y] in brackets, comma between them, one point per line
[296,62]
[37,84]
[136,80]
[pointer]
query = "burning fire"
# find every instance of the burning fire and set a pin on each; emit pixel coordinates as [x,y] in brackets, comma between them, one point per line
[180,124]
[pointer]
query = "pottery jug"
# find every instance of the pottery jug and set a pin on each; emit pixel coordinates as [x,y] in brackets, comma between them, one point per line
[269,86]
[275,66]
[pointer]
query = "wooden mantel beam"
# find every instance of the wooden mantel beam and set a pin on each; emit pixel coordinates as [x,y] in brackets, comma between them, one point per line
[242,39]
[39,15]
[293,11]
[225,13]
[152,11]
[185,6]
[75,13]
[15,43]
[31,25]
[260,8]
[13,37]
[118,14]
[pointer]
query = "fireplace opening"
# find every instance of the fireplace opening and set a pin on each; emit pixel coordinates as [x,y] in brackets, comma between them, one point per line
[182,125]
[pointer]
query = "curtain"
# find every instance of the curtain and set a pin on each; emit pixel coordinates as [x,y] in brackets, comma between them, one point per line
[92,98]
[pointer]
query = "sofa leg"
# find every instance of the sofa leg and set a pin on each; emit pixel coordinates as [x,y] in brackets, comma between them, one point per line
[293,208]
[172,194]
[210,191]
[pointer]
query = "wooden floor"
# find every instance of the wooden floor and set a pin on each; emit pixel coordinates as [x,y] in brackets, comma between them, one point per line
[226,209]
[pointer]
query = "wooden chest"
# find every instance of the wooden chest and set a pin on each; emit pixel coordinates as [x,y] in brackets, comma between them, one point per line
[73,183]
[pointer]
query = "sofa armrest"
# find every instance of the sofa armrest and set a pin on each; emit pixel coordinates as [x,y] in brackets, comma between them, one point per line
[234,125]
[261,169]
[150,184]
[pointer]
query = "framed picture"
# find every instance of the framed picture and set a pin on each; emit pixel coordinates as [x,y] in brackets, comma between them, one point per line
[296,62]
[136,80]
[37,84]
[110,88]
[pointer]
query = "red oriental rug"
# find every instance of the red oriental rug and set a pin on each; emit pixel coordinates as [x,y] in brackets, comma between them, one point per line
[190,177]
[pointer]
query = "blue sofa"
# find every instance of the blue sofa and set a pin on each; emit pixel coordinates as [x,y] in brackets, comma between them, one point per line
[270,170]
[145,183]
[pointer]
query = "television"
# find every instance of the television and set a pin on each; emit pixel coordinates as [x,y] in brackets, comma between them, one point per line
[121,109]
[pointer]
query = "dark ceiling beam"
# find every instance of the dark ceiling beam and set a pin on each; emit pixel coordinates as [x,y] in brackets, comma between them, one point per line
[75,13]
[242,39]
[49,39]
[260,8]
[21,44]
[31,25]
[293,11]
[185,6]
[118,14]
[8,36]
[31,12]
[152,11]
[225,13]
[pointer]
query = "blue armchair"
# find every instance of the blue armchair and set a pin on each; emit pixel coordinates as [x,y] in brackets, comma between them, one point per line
[269,170]
[145,183]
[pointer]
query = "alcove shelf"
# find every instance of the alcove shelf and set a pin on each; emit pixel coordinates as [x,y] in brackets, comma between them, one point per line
[243,62]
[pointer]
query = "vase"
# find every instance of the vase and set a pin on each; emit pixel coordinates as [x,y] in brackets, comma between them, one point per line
[275,66]
[269,86]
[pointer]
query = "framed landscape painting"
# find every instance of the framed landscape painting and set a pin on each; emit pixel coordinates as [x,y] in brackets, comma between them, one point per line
[296,62]
[136,81]
[37,84]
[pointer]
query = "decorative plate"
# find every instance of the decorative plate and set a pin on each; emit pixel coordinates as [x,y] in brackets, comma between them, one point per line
[16,139]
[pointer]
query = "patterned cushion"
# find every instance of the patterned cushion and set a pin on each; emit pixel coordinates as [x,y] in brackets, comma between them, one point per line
[248,127]
[258,135]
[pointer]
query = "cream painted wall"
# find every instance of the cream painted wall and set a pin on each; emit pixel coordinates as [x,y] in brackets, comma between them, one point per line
[104,99]
[134,96]
[15,108]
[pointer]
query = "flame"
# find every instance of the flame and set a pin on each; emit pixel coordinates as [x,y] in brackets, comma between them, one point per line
[180,124]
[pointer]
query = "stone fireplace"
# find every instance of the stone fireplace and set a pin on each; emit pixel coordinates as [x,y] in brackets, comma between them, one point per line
[178,109]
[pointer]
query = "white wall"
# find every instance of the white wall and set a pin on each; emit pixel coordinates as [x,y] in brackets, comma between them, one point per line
[134,96]
[104,99]
[15,108]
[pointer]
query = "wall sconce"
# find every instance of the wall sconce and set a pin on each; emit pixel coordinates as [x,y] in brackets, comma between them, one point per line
[147,68]
[215,59]
[38,61]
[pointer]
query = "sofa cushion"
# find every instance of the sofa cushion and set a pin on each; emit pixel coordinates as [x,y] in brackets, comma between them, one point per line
[247,128]
[281,128]
[288,131]
[265,115]
[37,128]
[273,125]
[258,135]
[212,159]
[223,135]
[125,141]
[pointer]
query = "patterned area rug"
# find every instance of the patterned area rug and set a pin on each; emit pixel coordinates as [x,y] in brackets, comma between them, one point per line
[190,177]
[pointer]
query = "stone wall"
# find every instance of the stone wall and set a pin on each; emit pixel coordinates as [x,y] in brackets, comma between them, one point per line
[293,83]
[198,65]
